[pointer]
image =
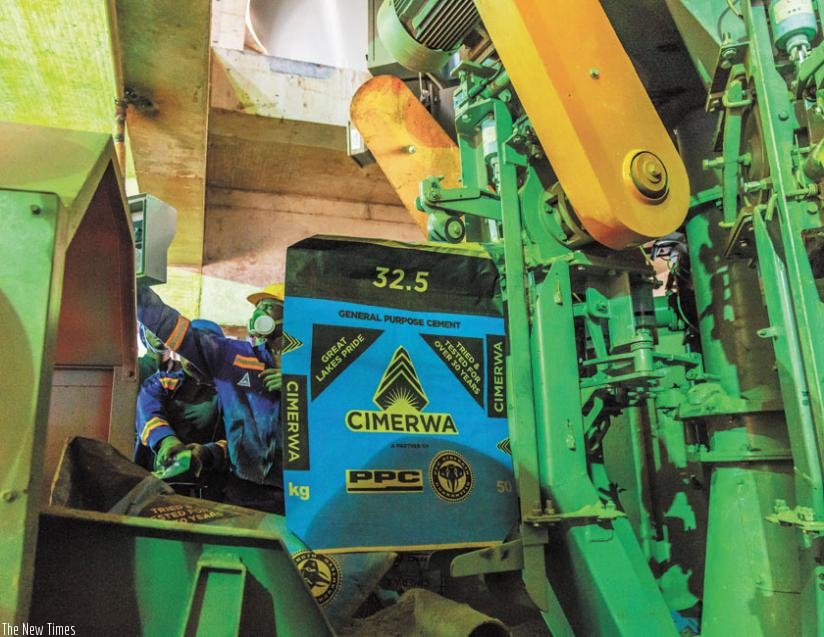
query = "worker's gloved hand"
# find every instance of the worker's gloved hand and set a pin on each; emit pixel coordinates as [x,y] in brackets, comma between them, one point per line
[167,449]
[202,458]
[271,378]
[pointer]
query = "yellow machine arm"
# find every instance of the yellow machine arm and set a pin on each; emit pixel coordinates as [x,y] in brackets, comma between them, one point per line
[407,142]
[596,123]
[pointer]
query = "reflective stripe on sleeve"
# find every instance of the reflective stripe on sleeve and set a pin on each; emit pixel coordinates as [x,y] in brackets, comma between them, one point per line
[151,425]
[248,362]
[179,331]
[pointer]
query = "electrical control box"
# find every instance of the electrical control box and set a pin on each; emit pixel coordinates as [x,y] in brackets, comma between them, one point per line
[154,222]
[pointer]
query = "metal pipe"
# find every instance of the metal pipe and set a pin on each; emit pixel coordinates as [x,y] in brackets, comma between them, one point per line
[121,105]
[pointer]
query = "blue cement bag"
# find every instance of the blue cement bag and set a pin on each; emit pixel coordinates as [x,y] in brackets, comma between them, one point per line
[393,399]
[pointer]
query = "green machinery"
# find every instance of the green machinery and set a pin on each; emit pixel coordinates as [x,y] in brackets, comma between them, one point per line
[69,369]
[667,431]
[668,437]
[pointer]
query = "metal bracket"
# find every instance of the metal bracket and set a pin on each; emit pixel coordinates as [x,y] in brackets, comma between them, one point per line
[710,399]
[706,196]
[458,201]
[808,69]
[508,556]
[741,241]
[801,517]
[729,55]
[598,512]
[474,76]
[473,68]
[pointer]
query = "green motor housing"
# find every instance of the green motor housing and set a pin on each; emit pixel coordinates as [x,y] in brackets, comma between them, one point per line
[423,34]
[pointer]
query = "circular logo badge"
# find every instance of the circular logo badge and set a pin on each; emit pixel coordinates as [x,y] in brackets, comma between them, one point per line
[321,574]
[450,476]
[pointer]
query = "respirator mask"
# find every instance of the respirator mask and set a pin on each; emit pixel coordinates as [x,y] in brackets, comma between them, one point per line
[261,326]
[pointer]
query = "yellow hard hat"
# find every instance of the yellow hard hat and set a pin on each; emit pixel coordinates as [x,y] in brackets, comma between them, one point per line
[271,291]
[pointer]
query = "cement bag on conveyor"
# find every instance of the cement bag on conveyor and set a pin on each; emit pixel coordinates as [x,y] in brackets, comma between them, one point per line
[94,476]
[393,400]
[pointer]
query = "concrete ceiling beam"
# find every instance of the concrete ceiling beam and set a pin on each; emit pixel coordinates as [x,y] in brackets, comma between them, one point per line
[255,84]
[165,47]
[279,126]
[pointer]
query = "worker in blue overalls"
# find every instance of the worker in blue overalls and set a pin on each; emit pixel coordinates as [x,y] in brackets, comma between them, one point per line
[178,410]
[247,378]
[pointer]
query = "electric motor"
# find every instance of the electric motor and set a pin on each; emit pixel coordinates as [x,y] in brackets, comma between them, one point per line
[793,24]
[422,34]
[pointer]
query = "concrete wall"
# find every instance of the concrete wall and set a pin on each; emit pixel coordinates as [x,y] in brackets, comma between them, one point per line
[247,234]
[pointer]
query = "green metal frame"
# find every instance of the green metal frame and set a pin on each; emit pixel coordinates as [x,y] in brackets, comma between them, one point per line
[566,525]
[62,209]
[152,577]
[659,463]
[67,304]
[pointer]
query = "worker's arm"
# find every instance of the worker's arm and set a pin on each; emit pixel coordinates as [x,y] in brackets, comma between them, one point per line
[204,349]
[151,424]
[156,432]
